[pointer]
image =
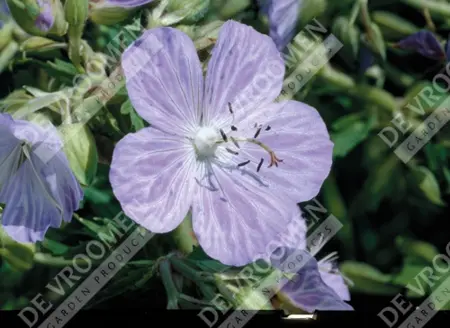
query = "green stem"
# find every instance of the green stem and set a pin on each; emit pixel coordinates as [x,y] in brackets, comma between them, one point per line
[439,8]
[172,292]
[48,260]
[187,271]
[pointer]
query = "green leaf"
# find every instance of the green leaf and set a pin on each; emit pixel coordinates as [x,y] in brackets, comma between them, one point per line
[406,276]
[368,279]
[56,248]
[417,249]
[350,132]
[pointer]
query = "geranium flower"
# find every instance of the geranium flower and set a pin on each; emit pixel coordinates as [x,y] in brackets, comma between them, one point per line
[38,193]
[220,147]
[314,286]
[283,18]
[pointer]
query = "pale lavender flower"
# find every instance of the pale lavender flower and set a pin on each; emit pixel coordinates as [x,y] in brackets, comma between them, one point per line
[283,18]
[219,146]
[37,195]
[121,3]
[309,289]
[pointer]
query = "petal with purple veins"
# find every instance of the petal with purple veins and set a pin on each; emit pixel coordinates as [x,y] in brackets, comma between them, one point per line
[152,176]
[234,217]
[245,70]
[298,136]
[164,80]
[283,17]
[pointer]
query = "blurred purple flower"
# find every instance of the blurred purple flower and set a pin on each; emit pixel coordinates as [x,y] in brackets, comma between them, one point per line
[121,3]
[423,42]
[310,289]
[283,18]
[37,195]
[211,141]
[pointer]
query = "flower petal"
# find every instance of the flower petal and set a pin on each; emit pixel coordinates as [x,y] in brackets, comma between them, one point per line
[9,149]
[299,137]
[234,217]
[283,17]
[337,283]
[45,19]
[245,70]
[152,176]
[29,210]
[164,80]
[306,290]
[127,3]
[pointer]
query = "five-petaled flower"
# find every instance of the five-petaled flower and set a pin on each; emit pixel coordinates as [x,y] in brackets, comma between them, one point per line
[39,191]
[221,146]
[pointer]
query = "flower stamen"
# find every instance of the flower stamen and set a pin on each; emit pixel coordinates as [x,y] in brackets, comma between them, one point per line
[243,163]
[260,164]
[224,136]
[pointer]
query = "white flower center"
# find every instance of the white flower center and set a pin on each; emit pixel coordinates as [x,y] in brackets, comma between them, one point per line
[205,141]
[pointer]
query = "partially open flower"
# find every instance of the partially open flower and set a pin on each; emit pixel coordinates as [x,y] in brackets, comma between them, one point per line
[39,190]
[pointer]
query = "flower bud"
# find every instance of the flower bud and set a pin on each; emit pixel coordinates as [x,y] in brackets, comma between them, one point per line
[81,151]
[187,12]
[106,15]
[39,17]
[76,12]
[40,44]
